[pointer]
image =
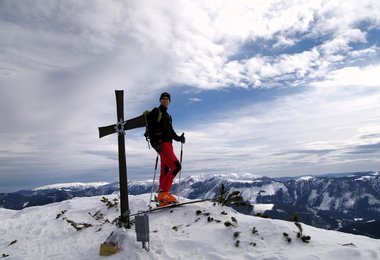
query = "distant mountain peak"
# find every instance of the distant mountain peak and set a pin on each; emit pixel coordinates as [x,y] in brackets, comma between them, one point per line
[305,178]
[234,176]
[71,185]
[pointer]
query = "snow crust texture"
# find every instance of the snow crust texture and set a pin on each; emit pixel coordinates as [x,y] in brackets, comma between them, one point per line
[196,231]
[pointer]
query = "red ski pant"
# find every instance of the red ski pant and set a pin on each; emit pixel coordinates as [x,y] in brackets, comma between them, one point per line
[170,166]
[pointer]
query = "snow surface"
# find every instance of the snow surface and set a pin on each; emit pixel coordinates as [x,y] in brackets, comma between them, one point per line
[231,177]
[363,178]
[326,202]
[177,233]
[72,185]
[305,178]
[261,208]
[251,194]
[313,196]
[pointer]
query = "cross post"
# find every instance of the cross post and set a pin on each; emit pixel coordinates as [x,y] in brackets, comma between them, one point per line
[120,128]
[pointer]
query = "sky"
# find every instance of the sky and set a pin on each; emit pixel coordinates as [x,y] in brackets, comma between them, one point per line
[273,88]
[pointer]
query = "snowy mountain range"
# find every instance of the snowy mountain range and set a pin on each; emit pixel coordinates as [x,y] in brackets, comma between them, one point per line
[349,202]
[75,229]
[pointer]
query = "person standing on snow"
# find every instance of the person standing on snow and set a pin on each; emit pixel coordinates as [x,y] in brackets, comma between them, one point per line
[161,135]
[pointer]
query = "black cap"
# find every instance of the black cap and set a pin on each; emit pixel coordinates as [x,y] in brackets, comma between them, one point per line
[165,94]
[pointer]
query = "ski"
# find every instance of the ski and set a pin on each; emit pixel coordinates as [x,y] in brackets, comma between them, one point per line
[174,205]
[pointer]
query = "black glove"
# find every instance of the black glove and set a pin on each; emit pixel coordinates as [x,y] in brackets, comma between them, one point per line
[182,138]
[157,147]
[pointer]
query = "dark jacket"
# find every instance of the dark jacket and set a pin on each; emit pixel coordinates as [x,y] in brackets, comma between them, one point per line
[162,130]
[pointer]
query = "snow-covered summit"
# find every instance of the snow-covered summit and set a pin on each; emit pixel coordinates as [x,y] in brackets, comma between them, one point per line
[197,231]
[234,176]
[305,178]
[327,202]
[72,185]
[366,178]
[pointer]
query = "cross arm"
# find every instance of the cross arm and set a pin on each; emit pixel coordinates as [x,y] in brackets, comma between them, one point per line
[106,130]
[127,125]
[135,122]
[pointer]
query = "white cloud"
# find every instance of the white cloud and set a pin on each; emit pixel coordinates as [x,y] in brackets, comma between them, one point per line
[190,41]
[194,100]
[353,76]
[60,62]
[310,131]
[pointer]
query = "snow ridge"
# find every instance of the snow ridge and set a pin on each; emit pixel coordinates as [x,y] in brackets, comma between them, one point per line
[196,231]
[72,185]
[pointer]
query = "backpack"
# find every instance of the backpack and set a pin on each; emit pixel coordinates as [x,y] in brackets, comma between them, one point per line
[146,114]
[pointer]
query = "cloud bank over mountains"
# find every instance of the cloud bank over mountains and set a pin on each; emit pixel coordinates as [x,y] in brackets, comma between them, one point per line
[61,62]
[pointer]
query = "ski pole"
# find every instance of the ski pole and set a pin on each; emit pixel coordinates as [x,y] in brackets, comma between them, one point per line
[179,174]
[154,178]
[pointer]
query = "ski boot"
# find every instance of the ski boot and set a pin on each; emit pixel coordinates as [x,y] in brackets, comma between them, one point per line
[166,198]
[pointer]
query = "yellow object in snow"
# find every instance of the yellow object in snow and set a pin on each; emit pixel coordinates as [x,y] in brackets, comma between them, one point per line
[108,249]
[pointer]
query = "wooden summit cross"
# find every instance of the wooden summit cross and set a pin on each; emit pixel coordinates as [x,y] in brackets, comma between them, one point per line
[120,127]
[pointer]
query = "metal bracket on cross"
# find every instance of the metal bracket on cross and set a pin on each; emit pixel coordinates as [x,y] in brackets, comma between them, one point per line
[119,127]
